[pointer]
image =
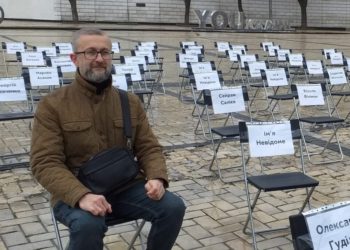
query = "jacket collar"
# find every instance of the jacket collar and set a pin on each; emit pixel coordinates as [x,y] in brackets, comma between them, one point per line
[86,88]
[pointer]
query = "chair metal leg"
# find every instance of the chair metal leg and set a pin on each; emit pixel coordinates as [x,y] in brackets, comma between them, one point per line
[138,234]
[57,231]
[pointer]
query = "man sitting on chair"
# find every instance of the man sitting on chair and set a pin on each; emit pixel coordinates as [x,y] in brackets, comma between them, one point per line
[77,121]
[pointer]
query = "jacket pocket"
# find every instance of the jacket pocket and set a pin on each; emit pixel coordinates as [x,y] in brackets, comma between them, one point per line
[119,130]
[79,140]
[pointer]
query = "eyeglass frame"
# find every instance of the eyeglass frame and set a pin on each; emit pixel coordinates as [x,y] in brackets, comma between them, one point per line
[109,55]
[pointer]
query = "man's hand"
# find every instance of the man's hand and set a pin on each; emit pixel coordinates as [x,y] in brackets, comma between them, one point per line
[95,204]
[155,189]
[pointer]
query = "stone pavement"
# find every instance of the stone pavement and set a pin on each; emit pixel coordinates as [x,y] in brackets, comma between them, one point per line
[215,211]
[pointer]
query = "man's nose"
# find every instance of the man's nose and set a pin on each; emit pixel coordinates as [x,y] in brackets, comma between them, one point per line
[99,57]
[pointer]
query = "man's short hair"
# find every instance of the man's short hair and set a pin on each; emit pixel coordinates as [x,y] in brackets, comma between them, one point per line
[85,31]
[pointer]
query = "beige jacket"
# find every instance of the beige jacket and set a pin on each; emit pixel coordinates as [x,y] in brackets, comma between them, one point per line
[73,123]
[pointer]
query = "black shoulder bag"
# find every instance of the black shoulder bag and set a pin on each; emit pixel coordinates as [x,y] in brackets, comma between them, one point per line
[110,169]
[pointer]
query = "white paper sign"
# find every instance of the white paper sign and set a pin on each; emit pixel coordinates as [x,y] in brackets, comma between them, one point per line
[201,67]
[64,62]
[184,59]
[272,50]
[336,58]
[50,51]
[149,55]
[329,226]
[119,81]
[233,55]
[115,47]
[296,59]
[281,54]
[32,59]
[269,139]
[12,48]
[65,48]
[239,47]
[188,43]
[255,67]
[151,44]
[12,89]
[328,51]
[337,76]
[247,58]
[208,80]
[194,52]
[44,77]
[310,94]
[227,100]
[133,70]
[145,48]
[276,77]
[223,46]
[266,45]
[314,67]
[136,60]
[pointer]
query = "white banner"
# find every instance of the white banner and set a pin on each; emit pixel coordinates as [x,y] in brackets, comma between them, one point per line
[208,80]
[44,77]
[310,94]
[276,77]
[227,100]
[337,76]
[12,89]
[32,59]
[133,70]
[329,226]
[12,48]
[119,81]
[270,138]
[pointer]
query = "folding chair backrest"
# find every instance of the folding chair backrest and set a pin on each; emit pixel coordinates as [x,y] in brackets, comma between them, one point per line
[314,67]
[326,52]
[136,71]
[49,51]
[254,68]
[42,76]
[193,50]
[121,81]
[13,47]
[64,62]
[207,80]
[63,48]
[201,67]
[116,47]
[295,59]
[228,100]
[336,76]
[222,46]
[247,58]
[183,59]
[233,52]
[31,58]
[265,45]
[187,43]
[135,60]
[282,54]
[336,58]
[275,77]
[150,54]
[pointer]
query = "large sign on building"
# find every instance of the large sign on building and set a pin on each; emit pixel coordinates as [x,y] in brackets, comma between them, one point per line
[219,19]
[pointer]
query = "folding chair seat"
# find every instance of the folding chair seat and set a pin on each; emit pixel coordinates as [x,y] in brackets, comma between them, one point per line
[314,106]
[110,222]
[227,102]
[272,145]
[14,105]
[9,50]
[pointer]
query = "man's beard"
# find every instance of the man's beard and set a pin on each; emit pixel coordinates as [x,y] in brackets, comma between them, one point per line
[99,77]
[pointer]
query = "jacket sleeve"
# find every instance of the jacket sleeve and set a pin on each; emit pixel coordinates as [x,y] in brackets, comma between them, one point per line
[47,158]
[147,148]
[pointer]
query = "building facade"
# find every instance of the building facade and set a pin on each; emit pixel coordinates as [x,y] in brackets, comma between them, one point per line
[321,13]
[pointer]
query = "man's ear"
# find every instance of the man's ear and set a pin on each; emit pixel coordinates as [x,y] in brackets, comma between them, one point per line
[74,59]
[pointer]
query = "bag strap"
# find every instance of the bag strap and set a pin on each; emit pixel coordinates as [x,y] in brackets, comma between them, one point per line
[126,117]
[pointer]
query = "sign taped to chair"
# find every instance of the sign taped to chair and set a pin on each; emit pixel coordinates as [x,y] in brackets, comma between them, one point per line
[227,100]
[12,48]
[43,77]
[32,59]
[276,77]
[337,76]
[329,226]
[12,89]
[119,81]
[207,80]
[310,94]
[270,138]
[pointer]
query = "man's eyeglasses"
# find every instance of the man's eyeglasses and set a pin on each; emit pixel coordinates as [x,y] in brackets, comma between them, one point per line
[91,54]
